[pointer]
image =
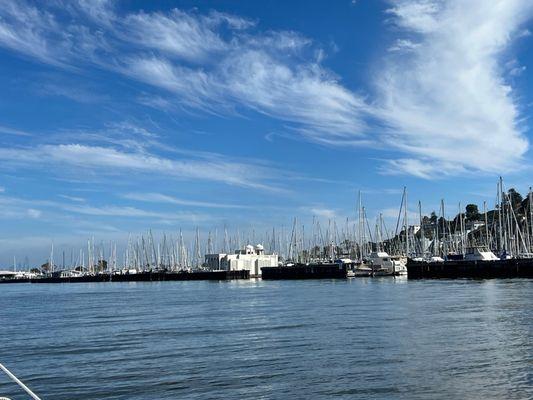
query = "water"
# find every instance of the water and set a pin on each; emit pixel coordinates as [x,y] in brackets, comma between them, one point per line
[355,339]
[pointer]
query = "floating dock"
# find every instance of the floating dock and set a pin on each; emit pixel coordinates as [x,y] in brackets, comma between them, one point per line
[147,276]
[512,268]
[306,271]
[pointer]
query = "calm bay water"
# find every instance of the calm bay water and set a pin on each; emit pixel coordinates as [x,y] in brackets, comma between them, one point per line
[355,339]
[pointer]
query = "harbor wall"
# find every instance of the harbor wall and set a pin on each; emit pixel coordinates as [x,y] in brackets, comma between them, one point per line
[513,268]
[303,271]
[138,277]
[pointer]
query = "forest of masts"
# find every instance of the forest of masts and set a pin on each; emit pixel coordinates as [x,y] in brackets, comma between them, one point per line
[506,229]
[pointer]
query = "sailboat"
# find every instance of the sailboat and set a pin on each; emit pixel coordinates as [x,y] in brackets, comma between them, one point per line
[361,268]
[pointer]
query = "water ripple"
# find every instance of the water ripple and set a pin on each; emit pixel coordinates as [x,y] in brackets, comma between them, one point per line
[358,339]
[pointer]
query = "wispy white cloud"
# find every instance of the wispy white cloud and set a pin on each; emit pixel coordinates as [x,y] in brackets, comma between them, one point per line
[446,102]
[36,32]
[126,135]
[419,16]
[232,66]
[14,208]
[23,28]
[162,198]
[73,92]
[72,198]
[382,191]
[305,94]
[155,102]
[403,45]
[194,88]
[320,212]
[425,169]
[514,68]
[33,213]
[71,212]
[18,213]
[10,131]
[442,96]
[192,37]
[111,160]
[132,212]
[100,11]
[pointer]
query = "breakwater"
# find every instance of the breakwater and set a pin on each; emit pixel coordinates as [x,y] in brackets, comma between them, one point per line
[146,276]
[306,271]
[512,268]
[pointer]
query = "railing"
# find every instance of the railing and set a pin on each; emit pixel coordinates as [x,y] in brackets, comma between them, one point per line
[18,382]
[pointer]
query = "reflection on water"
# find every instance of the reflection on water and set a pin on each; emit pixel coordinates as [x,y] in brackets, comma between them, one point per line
[360,338]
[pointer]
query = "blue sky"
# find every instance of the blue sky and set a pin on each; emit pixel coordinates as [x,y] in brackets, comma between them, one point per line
[117,117]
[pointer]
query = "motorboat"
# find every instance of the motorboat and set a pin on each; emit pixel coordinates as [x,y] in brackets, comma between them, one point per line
[383,264]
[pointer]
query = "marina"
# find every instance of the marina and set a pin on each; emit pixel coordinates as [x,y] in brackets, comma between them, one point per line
[495,243]
[266,200]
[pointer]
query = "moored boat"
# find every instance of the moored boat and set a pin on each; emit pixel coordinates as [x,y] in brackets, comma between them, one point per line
[362,270]
[383,264]
[307,271]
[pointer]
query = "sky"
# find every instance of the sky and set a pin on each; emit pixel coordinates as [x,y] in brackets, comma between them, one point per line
[117,117]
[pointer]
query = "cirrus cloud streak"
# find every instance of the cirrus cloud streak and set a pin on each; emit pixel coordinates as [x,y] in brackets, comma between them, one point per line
[440,96]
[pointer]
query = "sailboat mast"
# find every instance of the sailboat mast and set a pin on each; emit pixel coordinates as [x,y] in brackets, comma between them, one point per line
[530,221]
[406,223]
[487,239]
[499,205]
[51,266]
[422,239]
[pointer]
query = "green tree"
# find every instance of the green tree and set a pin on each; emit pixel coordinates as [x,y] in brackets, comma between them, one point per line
[472,212]
[515,198]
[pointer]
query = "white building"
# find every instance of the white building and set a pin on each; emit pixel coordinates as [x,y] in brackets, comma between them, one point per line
[471,226]
[413,229]
[250,258]
[214,261]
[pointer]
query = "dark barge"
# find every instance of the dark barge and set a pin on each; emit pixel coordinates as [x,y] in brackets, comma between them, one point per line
[473,269]
[146,276]
[306,271]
